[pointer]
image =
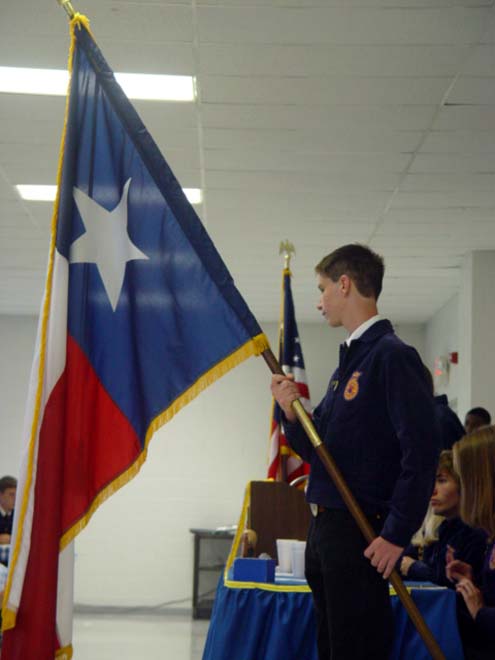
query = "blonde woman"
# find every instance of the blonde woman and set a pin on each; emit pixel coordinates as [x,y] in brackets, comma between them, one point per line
[474,460]
[425,558]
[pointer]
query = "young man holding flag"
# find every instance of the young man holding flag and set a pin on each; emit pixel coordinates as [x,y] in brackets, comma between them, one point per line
[376,420]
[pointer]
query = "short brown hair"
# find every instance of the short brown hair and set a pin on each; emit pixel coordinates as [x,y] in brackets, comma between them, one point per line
[7,482]
[360,263]
[446,464]
[474,460]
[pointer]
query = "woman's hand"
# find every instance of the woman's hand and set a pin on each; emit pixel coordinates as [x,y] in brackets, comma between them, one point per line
[406,564]
[456,569]
[471,594]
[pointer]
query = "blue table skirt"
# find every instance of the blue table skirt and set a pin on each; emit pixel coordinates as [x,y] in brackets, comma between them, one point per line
[254,624]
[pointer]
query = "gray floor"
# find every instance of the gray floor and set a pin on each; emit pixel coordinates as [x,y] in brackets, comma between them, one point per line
[125,637]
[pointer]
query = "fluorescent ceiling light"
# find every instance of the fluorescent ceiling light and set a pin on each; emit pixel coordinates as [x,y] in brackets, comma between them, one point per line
[48,193]
[156,87]
[33,81]
[37,193]
[53,82]
[193,195]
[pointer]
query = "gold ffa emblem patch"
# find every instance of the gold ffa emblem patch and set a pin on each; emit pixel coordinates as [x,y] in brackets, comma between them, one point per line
[352,388]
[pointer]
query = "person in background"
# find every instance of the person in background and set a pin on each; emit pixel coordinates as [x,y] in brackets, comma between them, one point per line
[476,418]
[424,559]
[449,425]
[474,460]
[3,581]
[375,420]
[426,535]
[8,488]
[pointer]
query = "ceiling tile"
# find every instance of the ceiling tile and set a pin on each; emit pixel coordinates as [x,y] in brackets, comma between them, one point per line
[324,90]
[341,25]
[321,117]
[463,117]
[262,159]
[331,141]
[453,162]
[307,125]
[245,59]
[448,182]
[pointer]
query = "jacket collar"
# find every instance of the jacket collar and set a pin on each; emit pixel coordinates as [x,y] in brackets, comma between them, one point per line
[450,525]
[377,330]
[361,329]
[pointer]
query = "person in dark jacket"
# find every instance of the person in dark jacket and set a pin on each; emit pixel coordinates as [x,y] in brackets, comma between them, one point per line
[474,460]
[8,488]
[426,562]
[449,425]
[376,420]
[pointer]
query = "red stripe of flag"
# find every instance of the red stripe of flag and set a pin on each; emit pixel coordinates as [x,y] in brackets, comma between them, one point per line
[78,402]
[92,458]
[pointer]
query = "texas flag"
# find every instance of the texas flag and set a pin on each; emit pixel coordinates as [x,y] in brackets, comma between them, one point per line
[139,315]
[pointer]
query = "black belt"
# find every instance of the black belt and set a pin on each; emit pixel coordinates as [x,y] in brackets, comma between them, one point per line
[316,509]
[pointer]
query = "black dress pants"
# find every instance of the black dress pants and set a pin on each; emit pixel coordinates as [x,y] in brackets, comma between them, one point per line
[352,604]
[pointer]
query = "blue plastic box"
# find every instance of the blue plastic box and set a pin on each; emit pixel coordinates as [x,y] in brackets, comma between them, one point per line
[254,570]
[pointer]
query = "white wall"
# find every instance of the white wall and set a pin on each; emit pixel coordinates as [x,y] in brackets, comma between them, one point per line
[414,335]
[442,338]
[464,324]
[17,337]
[137,549]
[477,302]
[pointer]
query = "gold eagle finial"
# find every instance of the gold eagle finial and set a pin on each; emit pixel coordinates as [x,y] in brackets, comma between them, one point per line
[287,249]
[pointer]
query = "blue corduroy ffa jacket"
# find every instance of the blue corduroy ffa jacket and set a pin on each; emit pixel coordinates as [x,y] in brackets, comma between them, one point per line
[377,421]
[468,544]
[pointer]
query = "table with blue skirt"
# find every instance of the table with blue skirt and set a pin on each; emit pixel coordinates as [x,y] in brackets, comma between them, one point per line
[271,622]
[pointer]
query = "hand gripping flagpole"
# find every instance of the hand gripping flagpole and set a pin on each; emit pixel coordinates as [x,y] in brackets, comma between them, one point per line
[357,513]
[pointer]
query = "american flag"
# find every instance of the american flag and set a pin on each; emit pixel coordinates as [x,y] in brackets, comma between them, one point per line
[283,463]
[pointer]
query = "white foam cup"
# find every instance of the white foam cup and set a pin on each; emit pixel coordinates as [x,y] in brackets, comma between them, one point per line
[284,555]
[298,548]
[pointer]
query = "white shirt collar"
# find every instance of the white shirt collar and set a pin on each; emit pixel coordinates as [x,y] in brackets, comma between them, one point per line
[3,512]
[361,329]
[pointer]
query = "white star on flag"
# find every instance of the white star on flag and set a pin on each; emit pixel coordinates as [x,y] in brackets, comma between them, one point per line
[106,242]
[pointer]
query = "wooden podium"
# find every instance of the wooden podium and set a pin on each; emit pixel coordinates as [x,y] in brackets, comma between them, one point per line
[277,511]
